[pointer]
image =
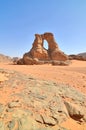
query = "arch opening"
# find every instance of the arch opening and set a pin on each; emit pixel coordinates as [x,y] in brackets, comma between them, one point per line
[45,45]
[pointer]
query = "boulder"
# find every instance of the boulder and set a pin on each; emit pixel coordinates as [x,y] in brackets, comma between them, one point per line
[74,111]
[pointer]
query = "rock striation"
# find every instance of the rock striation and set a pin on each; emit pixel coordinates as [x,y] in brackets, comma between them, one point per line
[40,55]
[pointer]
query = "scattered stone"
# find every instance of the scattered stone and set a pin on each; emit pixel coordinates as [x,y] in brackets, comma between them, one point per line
[39,119]
[14,104]
[48,120]
[74,111]
[11,124]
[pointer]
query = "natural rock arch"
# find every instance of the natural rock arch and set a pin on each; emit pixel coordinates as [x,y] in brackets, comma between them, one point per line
[39,54]
[49,38]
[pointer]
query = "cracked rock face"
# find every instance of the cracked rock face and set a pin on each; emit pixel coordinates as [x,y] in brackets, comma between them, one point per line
[53,53]
[32,102]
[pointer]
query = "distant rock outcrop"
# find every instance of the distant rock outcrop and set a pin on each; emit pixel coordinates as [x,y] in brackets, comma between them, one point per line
[5,59]
[39,55]
[83,54]
[77,57]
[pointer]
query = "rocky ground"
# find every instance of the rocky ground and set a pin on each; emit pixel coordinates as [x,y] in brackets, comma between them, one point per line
[29,102]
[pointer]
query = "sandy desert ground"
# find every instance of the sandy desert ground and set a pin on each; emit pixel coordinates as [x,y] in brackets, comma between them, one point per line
[73,75]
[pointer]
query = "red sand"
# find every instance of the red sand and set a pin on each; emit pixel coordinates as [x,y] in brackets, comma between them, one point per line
[73,75]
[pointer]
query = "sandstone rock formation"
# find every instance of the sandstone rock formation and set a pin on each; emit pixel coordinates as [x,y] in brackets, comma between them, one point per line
[40,55]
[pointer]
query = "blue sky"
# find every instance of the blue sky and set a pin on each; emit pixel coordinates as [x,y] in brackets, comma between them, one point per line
[21,19]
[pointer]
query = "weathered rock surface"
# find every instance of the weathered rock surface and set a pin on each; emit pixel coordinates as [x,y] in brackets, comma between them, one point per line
[39,55]
[38,104]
